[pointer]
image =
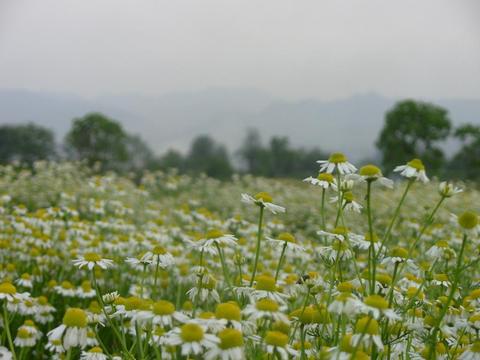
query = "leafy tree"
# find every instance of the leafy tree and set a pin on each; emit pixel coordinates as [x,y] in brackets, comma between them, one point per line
[207,156]
[465,164]
[140,156]
[414,129]
[98,139]
[26,143]
[255,158]
[172,159]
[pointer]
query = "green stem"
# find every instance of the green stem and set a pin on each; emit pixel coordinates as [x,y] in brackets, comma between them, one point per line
[6,325]
[156,278]
[450,298]
[324,226]
[280,261]
[371,250]
[395,215]
[259,239]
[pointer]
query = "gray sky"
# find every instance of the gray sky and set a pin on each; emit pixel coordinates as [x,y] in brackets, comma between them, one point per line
[293,49]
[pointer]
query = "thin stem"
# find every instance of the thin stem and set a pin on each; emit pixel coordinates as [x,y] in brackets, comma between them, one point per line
[280,261]
[450,298]
[371,250]
[6,325]
[397,211]
[259,239]
[155,279]
[324,226]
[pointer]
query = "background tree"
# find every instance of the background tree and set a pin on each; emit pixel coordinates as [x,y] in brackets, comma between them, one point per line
[171,159]
[97,138]
[414,129]
[465,164]
[26,143]
[207,156]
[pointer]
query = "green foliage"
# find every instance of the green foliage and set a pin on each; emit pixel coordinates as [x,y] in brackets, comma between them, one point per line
[26,143]
[279,159]
[98,139]
[206,156]
[414,129]
[466,162]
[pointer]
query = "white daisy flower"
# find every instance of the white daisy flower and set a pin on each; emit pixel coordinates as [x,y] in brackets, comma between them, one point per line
[376,306]
[263,199]
[73,331]
[276,342]
[91,260]
[191,338]
[413,169]
[230,346]
[95,353]
[371,173]
[337,161]
[472,353]
[447,189]
[367,332]
[286,240]
[324,180]
[266,309]
[9,292]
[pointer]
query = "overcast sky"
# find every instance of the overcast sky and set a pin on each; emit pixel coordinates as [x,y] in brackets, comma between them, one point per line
[292,49]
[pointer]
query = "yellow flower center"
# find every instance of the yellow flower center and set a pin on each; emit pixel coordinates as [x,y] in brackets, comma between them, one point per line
[441,277]
[265,282]
[230,338]
[42,300]
[417,164]
[400,252]
[345,286]
[75,317]
[7,288]
[468,220]
[376,301]
[29,323]
[191,333]
[214,234]
[367,325]
[370,171]
[23,333]
[96,350]
[340,230]
[287,237]
[337,158]
[163,307]
[325,177]
[264,196]
[229,311]
[441,244]
[348,196]
[475,347]
[276,338]
[159,250]
[475,294]
[92,257]
[67,285]
[133,303]
[25,276]
[267,305]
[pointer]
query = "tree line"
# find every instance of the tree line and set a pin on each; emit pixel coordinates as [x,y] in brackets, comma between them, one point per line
[411,129]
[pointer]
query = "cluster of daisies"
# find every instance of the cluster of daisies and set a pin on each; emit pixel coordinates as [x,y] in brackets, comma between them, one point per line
[354,266]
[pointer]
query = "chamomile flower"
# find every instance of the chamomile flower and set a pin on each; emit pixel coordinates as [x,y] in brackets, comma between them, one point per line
[276,343]
[345,303]
[414,169]
[25,281]
[9,293]
[266,309]
[337,161]
[73,331]
[371,173]
[447,189]
[472,353]
[192,339]
[266,287]
[230,346]
[286,240]
[161,257]
[377,306]
[95,353]
[91,260]
[5,354]
[27,335]
[162,313]
[324,180]
[367,332]
[263,200]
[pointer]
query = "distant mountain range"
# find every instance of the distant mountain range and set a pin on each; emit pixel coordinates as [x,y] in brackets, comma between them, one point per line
[350,125]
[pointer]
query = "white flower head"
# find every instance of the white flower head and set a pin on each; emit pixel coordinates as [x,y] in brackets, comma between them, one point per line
[447,189]
[263,199]
[414,169]
[339,162]
[91,260]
